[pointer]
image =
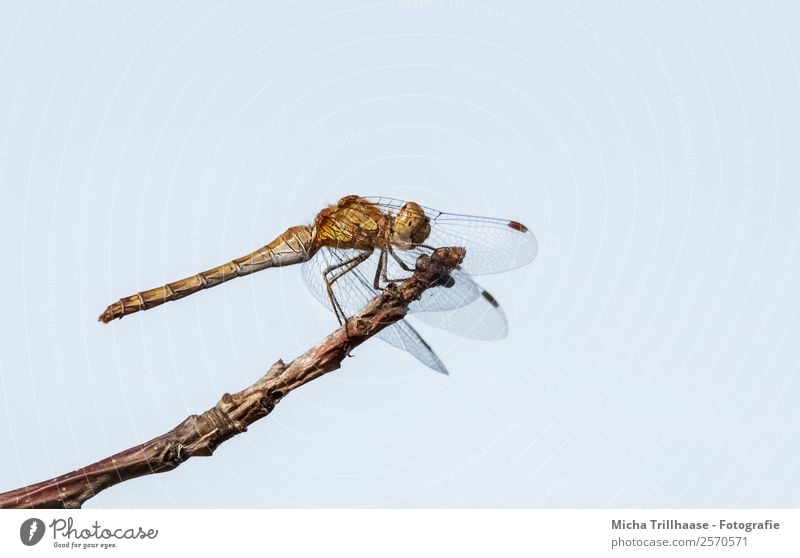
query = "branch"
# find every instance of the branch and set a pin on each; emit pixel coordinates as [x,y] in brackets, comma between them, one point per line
[200,435]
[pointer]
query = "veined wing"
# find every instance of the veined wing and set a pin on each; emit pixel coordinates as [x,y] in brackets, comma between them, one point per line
[483,318]
[458,292]
[464,307]
[352,297]
[353,290]
[403,336]
[493,245]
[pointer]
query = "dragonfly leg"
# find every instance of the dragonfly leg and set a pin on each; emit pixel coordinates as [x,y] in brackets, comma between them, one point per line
[426,246]
[399,260]
[337,309]
[341,268]
[380,272]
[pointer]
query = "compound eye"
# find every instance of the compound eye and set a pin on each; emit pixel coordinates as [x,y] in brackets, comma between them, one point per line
[411,224]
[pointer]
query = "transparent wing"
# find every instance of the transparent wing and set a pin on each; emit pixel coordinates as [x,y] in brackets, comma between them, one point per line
[493,245]
[352,295]
[353,291]
[459,291]
[405,337]
[483,318]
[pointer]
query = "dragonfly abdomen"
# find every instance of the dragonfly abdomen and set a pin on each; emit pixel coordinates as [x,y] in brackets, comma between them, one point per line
[293,246]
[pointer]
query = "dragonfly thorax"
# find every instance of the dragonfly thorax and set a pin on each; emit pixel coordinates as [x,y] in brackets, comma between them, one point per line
[410,227]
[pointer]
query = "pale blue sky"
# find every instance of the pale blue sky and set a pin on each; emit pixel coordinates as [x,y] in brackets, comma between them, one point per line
[652,357]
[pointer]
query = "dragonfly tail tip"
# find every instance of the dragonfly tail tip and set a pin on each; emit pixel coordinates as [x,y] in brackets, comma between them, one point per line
[107,315]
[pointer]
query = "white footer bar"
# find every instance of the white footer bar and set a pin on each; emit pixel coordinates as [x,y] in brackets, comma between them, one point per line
[402,533]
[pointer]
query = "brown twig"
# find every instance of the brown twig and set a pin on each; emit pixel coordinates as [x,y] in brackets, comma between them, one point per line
[200,435]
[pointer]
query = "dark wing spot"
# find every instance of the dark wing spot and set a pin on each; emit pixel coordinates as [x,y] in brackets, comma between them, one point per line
[517,226]
[490,298]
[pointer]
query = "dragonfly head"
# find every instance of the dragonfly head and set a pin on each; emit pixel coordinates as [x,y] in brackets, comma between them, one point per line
[410,226]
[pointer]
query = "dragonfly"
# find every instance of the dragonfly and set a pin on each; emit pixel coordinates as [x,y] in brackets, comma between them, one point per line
[358,246]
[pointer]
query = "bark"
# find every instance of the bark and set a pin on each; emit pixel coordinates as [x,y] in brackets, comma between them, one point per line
[200,435]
